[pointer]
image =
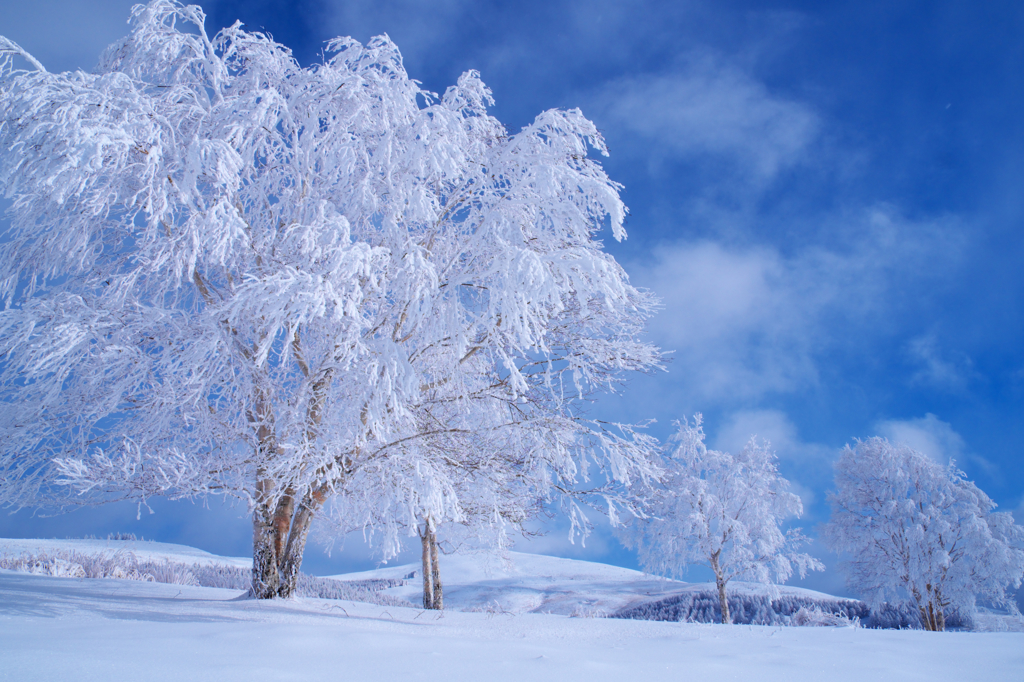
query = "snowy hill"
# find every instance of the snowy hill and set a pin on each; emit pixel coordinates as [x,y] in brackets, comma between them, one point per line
[61,629]
[475,581]
[532,583]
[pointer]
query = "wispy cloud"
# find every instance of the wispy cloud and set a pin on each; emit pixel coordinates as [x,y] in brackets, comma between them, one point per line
[929,435]
[936,369]
[934,438]
[750,320]
[708,108]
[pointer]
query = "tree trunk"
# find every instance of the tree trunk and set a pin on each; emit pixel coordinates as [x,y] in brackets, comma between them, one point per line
[428,569]
[438,591]
[931,609]
[932,617]
[720,581]
[265,573]
[291,560]
[279,540]
[265,576]
[433,594]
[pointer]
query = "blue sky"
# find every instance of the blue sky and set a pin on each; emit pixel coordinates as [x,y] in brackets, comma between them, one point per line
[825,195]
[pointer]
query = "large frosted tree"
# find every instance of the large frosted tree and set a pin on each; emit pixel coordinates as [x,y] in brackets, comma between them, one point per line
[919,531]
[722,511]
[226,273]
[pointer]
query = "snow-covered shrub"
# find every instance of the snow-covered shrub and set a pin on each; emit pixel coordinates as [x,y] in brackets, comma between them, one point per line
[588,611]
[815,617]
[71,564]
[703,606]
[125,565]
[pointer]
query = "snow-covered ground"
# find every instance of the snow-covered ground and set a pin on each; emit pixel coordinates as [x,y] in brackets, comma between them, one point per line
[77,629]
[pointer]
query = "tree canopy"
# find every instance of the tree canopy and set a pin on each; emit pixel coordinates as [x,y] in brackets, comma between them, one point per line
[722,511]
[916,530]
[227,273]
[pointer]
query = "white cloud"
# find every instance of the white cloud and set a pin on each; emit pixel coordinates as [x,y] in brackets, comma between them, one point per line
[929,435]
[768,425]
[935,369]
[709,108]
[745,321]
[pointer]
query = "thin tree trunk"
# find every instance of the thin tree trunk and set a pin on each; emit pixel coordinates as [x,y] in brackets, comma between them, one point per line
[720,581]
[436,570]
[428,569]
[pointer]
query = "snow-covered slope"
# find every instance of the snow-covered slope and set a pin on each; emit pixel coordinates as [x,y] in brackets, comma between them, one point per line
[106,630]
[532,583]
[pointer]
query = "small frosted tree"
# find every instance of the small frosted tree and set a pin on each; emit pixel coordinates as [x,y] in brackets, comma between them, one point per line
[916,530]
[722,511]
[229,274]
[485,474]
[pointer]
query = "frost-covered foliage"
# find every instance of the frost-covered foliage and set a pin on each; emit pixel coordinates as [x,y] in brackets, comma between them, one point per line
[703,606]
[722,511]
[917,531]
[125,565]
[228,274]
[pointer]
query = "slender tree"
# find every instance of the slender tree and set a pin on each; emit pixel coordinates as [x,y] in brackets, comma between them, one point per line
[486,474]
[226,273]
[915,530]
[722,511]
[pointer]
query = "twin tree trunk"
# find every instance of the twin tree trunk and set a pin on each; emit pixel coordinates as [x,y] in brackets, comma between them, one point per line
[931,610]
[721,581]
[279,540]
[433,595]
[280,529]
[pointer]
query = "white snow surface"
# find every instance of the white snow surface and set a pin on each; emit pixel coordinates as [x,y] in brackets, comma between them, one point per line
[65,628]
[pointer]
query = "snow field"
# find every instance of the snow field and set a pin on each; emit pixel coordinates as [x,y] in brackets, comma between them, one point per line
[80,629]
[55,628]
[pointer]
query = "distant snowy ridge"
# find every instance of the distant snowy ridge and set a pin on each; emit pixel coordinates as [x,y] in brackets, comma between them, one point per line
[170,564]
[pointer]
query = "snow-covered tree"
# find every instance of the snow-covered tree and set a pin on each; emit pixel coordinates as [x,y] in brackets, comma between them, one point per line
[226,273]
[916,530]
[482,478]
[722,511]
